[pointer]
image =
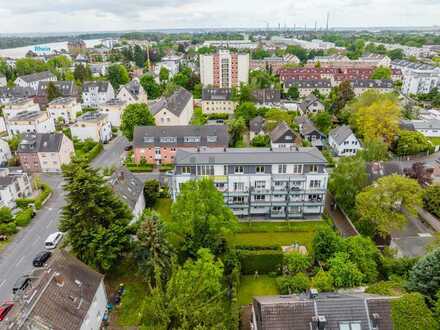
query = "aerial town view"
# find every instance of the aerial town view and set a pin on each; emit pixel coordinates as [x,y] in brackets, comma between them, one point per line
[233,165]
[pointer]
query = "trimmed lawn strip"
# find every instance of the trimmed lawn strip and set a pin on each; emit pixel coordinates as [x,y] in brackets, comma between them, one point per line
[274,238]
[286,226]
[250,287]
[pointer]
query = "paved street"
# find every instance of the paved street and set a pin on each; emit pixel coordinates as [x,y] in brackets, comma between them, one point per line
[112,153]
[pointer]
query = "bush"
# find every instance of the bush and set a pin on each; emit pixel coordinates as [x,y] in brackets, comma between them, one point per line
[386,288]
[214,116]
[410,312]
[45,192]
[24,202]
[323,281]
[295,263]
[258,248]
[6,215]
[24,217]
[93,152]
[166,167]
[293,284]
[431,200]
[151,192]
[262,261]
[8,228]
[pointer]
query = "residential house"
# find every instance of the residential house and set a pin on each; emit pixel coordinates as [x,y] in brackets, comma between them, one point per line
[224,69]
[171,63]
[5,152]
[306,87]
[65,108]
[33,80]
[309,132]
[46,152]
[15,106]
[267,97]
[311,105]
[66,88]
[13,184]
[97,92]
[273,63]
[130,189]
[282,136]
[256,127]
[175,110]
[66,294]
[8,94]
[30,122]
[362,85]
[133,92]
[217,100]
[113,109]
[92,125]
[158,145]
[343,141]
[99,69]
[429,128]
[322,311]
[259,182]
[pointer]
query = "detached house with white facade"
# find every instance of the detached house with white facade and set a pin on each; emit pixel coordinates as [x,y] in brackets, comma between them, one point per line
[65,108]
[14,184]
[97,92]
[30,122]
[133,92]
[92,125]
[32,80]
[343,141]
[175,110]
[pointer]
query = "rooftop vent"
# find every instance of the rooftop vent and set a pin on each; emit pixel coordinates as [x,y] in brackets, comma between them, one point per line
[313,293]
[59,279]
[375,320]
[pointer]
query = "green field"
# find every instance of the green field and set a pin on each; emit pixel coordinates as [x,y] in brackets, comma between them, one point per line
[250,287]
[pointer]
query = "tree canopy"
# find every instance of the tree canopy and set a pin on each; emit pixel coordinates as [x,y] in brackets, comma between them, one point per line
[431,199]
[425,275]
[135,114]
[381,73]
[412,143]
[410,312]
[117,74]
[150,86]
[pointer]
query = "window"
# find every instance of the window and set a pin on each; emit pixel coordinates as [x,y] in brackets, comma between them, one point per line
[350,325]
[288,137]
[259,169]
[148,139]
[297,169]
[238,199]
[168,139]
[260,184]
[314,168]
[157,151]
[205,170]
[186,170]
[212,139]
[315,183]
[260,197]
[191,139]
[238,186]
[279,183]
[282,168]
[238,170]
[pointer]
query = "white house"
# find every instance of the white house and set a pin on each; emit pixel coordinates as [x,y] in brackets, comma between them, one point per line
[175,110]
[92,125]
[113,109]
[97,92]
[311,105]
[133,92]
[5,152]
[429,128]
[32,80]
[65,108]
[343,141]
[16,106]
[30,122]
[13,185]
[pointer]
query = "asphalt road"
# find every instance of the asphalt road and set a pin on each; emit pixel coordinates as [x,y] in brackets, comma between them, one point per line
[112,154]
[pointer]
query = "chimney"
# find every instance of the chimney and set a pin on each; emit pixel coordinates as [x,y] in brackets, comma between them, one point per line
[375,320]
[313,293]
[322,322]
[59,279]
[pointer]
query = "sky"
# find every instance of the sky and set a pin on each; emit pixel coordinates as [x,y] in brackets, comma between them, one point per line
[21,16]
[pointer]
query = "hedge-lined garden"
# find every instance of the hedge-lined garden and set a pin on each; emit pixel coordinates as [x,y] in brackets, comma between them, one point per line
[87,149]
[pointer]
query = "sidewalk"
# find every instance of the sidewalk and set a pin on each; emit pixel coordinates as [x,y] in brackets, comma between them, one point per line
[343,225]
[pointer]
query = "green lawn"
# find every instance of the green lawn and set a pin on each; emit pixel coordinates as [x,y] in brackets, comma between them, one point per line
[163,206]
[250,287]
[128,313]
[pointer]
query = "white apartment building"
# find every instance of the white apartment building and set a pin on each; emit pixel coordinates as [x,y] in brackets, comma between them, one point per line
[65,108]
[15,106]
[172,63]
[235,44]
[343,141]
[259,182]
[417,77]
[92,125]
[13,184]
[224,69]
[5,152]
[30,122]
[113,109]
[32,80]
[96,93]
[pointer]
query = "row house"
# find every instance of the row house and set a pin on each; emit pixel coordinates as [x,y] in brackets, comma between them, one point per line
[14,184]
[174,110]
[97,92]
[158,145]
[33,80]
[65,108]
[259,182]
[273,63]
[46,152]
[361,86]
[133,92]
[217,100]
[306,87]
[92,125]
[30,122]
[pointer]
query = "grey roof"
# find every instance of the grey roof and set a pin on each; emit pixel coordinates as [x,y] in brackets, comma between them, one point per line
[309,83]
[340,133]
[250,156]
[41,142]
[38,76]
[102,86]
[307,126]
[16,92]
[266,95]
[5,181]
[147,136]
[65,87]
[308,100]
[415,246]
[216,94]
[174,103]
[414,66]
[296,311]
[127,186]
[421,124]
[279,131]
[62,100]
[133,87]
[26,115]
[92,116]
[256,124]
[370,83]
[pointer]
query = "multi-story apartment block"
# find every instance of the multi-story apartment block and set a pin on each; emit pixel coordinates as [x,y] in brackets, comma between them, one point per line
[172,63]
[217,100]
[174,110]
[65,108]
[113,109]
[15,106]
[8,94]
[418,77]
[259,182]
[30,122]
[158,145]
[97,92]
[306,87]
[273,63]
[66,88]
[92,125]
[32,80]
[224,69]
[13,184]
[360,86]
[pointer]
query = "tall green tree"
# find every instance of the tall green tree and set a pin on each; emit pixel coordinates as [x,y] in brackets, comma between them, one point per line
[340,96]
[94,219]
[381,204]
[201,217]
[381,73]
[326,243]
[293,93]
[345,272]
[374,150]
[236,128]
[431,199]
[117,74]
[365,254]
[52,91]
[164,74]
[24,66]
[323,121]
[410,312]
[425,275]
[82,73]
[411,143]
[150,86]
[135,114]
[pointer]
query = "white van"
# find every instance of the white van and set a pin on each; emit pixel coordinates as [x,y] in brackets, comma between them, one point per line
[53,240]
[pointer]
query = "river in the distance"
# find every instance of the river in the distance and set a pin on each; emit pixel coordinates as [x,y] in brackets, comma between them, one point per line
[42,48]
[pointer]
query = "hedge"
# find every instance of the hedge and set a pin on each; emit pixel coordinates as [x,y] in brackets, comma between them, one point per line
[262,261]
[24,202]
[258,248]
[45,192]
[93,152]
[166,167]
[8,228]
[139,168]
[24,217]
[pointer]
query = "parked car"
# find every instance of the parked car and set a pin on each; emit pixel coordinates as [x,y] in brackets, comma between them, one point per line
[41,258]
[52,240]
[4,309]
[21,284]
[128,148]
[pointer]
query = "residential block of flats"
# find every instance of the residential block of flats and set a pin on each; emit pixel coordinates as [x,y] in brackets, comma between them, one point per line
[30,122]
[97,92]
[65,108]
[217,100]
[92,125]
[259,182]
[417,77]
[13,184]
[33,80]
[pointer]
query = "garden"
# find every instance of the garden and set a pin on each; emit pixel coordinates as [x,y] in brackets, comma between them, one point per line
[87,149]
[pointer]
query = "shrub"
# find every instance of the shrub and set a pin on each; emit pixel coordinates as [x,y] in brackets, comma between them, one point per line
[397,266]
[295,263]
[24,202]
[24,217]
[344,272]
[262,261]
[323,281]
[8,228]
[151,192]
[258,248]
[94,152]
[431,200]
[293,284]
[411,313]
[6,215]
[45,192]
[386,288]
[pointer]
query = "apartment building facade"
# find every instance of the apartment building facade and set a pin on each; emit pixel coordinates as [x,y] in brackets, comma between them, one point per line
[259,182]
[65,108]
[224,69]
[417,77]
[92,125]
